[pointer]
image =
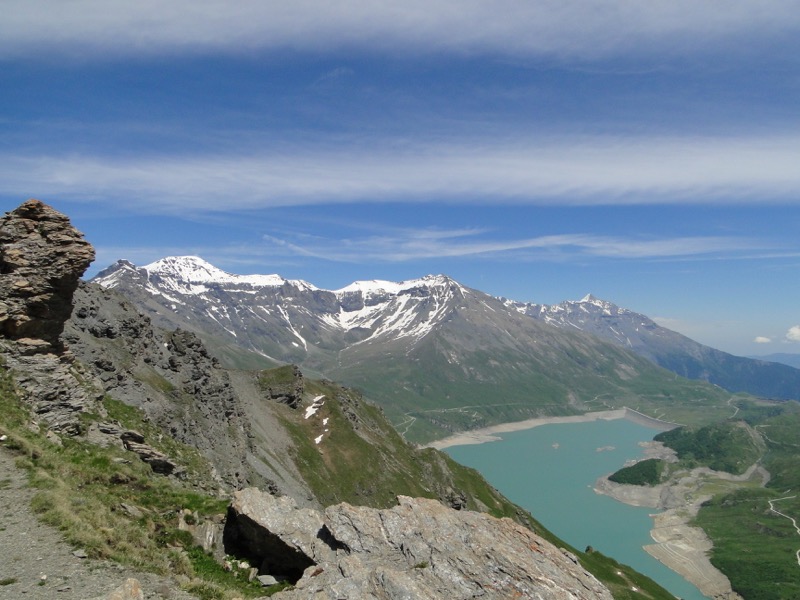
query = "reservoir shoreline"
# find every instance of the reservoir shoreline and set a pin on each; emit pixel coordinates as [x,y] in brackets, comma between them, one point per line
[676,544]
[489,434]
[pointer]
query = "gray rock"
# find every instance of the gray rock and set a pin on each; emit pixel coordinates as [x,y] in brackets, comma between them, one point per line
[273,532]
[42,257]
[158,461]
[132,510]
[53,386]
[417,549]
[267,580]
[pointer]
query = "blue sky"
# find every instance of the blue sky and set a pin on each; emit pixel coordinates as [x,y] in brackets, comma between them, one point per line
[648,153]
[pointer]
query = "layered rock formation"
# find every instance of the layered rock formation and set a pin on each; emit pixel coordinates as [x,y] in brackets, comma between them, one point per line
[42,257]
[417,549]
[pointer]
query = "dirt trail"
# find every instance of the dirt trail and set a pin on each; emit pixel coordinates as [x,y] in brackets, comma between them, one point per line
[37,564]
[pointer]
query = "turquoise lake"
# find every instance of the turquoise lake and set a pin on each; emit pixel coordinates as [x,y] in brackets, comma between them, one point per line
[550,471]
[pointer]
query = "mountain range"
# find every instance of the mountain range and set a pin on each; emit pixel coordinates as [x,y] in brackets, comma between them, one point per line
[669,349]
[785,358]
[438,356]
[135,437]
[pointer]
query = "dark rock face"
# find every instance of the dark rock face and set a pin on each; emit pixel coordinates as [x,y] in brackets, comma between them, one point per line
[42,257]
[290,393]
[167,374]
[417,549]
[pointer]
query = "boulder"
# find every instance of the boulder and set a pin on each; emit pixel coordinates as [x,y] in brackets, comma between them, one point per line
[417,549]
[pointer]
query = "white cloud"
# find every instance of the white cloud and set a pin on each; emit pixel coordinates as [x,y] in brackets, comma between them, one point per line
[760,339]
[566,171]
[793,335]
[581,28]
[398,245]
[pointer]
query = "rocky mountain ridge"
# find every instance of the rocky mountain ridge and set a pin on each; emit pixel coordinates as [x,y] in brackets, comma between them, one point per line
[438,356]
[667,348]
[293,314]
[387,311]
[258,428]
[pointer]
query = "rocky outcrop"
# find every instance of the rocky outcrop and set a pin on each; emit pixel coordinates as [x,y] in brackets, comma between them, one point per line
[170,376]
[54,386]
[417,549]
[42,257]
[288,392]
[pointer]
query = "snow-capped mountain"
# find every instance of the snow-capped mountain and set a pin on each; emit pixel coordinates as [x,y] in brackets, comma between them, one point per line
[598,317]
[280,318]
[436,354]
[668,348]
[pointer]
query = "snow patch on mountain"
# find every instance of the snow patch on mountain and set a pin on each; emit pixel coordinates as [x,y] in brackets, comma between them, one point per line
[376,286]
[193,272]
[389,310]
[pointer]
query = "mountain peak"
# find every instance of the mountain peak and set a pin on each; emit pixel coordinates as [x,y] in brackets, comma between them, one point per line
[191,269]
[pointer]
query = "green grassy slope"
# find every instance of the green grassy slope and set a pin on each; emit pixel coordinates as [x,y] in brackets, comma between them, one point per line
[756,544]
[440,387]
[81,488]
[729,446]
[756,547]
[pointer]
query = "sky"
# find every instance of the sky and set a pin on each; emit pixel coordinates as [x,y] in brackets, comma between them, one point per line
[540,150]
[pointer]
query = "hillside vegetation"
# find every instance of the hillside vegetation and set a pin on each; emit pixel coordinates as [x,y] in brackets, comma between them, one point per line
[730,446]
[112,504]
[756,543]
[644,472]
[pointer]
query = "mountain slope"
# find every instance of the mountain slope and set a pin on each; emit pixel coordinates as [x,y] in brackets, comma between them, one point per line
[159,395]
[669,349]
[785,358]
[438,356]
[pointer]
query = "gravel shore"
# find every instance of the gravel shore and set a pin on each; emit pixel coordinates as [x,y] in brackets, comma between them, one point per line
[677,544]
[489,434]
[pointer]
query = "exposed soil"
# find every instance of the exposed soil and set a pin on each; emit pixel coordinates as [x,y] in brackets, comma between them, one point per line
[677,544]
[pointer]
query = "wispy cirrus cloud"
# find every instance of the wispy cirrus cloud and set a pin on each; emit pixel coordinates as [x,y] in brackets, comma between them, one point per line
[584,171]
[406,244]
[582,28]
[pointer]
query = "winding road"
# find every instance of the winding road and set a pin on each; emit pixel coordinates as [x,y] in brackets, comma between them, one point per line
[794,523]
